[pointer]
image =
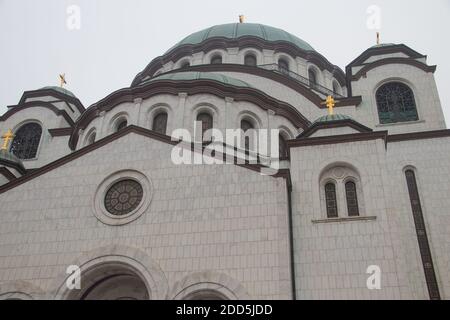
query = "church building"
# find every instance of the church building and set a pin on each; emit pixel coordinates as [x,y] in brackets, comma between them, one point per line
[355,204]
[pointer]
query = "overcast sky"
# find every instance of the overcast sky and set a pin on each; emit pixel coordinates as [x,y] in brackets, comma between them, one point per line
[117,39]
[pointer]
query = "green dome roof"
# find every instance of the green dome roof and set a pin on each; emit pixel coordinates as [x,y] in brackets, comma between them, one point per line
[191,75]
[237,30]
[59,89]
[332,117]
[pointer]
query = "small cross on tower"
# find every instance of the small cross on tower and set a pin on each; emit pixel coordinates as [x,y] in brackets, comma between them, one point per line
[330,103]
[6,139]
[62,79]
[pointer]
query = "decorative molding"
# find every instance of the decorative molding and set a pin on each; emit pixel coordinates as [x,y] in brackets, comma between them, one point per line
[191,87]
[408,61]
[14,165]
[444,133]
[59,132]
[343,138]
[243,42]
[274,76]
[43,104]
[7,174]
[54,93]
[344,219]
[334,124]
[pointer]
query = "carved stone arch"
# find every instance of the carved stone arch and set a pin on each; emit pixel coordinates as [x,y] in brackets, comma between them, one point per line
[318,73]
[157,109]
[132,259]
[249,116]
[20,290]
[215,52]
[182,62]
[322,175]
[336,87]
[116,120]
[288,58]
[251,51]
[286,132]
[208,281]
[90,137]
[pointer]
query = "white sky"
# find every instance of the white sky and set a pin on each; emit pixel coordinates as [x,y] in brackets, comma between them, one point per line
[118,39]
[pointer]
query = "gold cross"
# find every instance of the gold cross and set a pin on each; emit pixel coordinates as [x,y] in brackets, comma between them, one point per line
[330,103]
[62,79]
[378,38]
[6,139]
[241,18]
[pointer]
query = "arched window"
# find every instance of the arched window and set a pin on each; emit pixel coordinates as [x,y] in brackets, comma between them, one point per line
[91,138]
[312,77]
[422,237]
[282,146]
[121,124]
[250,60]
[246,125]
[337,88]
[207,122]
[217,59]
[283,66]
[352,199]
[185,64]
[160,123]
[330,199]
[395,102]
[26,141]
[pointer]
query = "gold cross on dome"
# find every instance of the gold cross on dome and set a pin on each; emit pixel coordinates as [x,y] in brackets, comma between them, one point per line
[6,139]
[62,79]
[330,103]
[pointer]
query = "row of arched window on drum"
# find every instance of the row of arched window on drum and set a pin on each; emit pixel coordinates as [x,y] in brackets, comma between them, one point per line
[395,102]
[159,124]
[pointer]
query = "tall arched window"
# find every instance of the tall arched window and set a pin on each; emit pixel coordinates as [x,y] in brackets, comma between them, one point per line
[250,60]
[283,66]
[91,138]
[26,141]
[246,125]
[282,146]
[312,77]
[421,233]
[160,123]
[121,124]
[395,102]
[352,199]
[217,59]
[207,122]
[331,201]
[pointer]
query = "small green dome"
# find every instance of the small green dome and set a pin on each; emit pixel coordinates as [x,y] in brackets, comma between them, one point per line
[192,75]
[237,30]
[59,89]
[332,117]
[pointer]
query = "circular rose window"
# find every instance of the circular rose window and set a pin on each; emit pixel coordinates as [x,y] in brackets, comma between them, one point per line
[123,197]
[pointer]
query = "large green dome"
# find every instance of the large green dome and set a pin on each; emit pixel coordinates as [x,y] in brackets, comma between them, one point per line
[237,30]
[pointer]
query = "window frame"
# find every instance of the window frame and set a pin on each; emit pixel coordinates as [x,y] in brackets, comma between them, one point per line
[392,117]
[39,142]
